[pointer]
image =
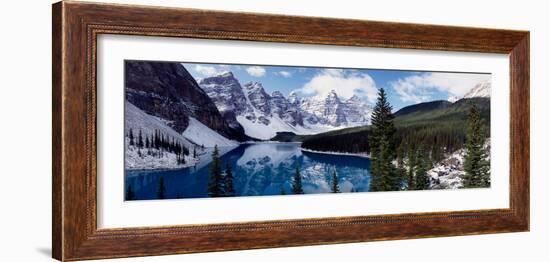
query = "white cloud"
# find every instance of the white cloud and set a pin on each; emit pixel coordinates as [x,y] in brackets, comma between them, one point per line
[206,71]
[346,83]
[285,74]
[417,88]
[255,71]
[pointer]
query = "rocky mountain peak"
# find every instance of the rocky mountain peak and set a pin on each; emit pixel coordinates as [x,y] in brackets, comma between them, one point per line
[225,78]
[168,91]
[482,89]
[354,98]
[262,114]
[277,94]
[293,98]
[332,97]
[226,74]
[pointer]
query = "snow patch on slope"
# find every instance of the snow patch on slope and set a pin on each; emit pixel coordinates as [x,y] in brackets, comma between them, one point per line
[482,89]
[138,159]
[261,131]
[200,134]
[136,119]
[447,174]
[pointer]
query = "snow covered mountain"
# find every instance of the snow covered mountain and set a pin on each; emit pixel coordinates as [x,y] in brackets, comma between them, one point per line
[482,89]
[334,112]
[262,115]
[165,105]
[166,90]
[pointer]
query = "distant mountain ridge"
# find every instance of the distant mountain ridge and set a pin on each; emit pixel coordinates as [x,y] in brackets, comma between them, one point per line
[426,106]
[262,115]
[480,90]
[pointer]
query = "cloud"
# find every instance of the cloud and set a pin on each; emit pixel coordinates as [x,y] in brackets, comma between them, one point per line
[255,71]
[285,74]
[418,88]
[346,83]
[206,70]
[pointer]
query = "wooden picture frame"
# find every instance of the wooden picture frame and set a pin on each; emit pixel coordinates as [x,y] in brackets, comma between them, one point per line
[76,26]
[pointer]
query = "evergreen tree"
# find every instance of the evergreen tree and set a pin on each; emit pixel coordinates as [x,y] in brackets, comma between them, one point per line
[401,170]
[130,193]
[147,142]
[422,181]
[334,185]
[161,190]
[282,190]
[384,176]
[476,165]
[131,135]
[228,182]
[215,175]
[140,140]
[194,152]
[297,182]
[411,163]
[157,139]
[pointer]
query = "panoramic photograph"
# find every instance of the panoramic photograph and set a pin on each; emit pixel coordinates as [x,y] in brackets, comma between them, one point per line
[203,130]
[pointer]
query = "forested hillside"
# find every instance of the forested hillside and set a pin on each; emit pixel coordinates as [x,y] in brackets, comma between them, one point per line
[438,127]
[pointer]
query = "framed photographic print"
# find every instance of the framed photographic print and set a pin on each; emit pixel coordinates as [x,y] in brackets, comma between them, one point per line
[182,130]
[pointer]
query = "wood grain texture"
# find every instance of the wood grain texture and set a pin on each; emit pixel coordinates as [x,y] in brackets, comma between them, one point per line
[76,26]
[57,195]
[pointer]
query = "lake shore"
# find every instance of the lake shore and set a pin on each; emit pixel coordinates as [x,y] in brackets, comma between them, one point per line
[363,155]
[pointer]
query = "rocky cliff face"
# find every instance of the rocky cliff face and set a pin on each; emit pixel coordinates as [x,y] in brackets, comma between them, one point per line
[252,104]
[166,90]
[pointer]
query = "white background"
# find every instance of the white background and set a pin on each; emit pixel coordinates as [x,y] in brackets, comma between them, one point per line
[25,187]
[113,212]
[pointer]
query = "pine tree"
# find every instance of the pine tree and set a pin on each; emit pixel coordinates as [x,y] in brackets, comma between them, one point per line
[401,170]
[422,181]
[215,175]
[384,176]
[157,139]
[297,182]
[334,185]
[476,165]
[140,140]
[131,135]
[161,190]
[147,145]
[130,193]
[194,152]
[411,163]
[228,182]
[282,190]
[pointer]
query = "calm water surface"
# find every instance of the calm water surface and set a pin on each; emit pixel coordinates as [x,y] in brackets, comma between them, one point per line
[259,169]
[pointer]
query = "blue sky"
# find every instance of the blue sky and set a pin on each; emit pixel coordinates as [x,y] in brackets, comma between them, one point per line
[403,87]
